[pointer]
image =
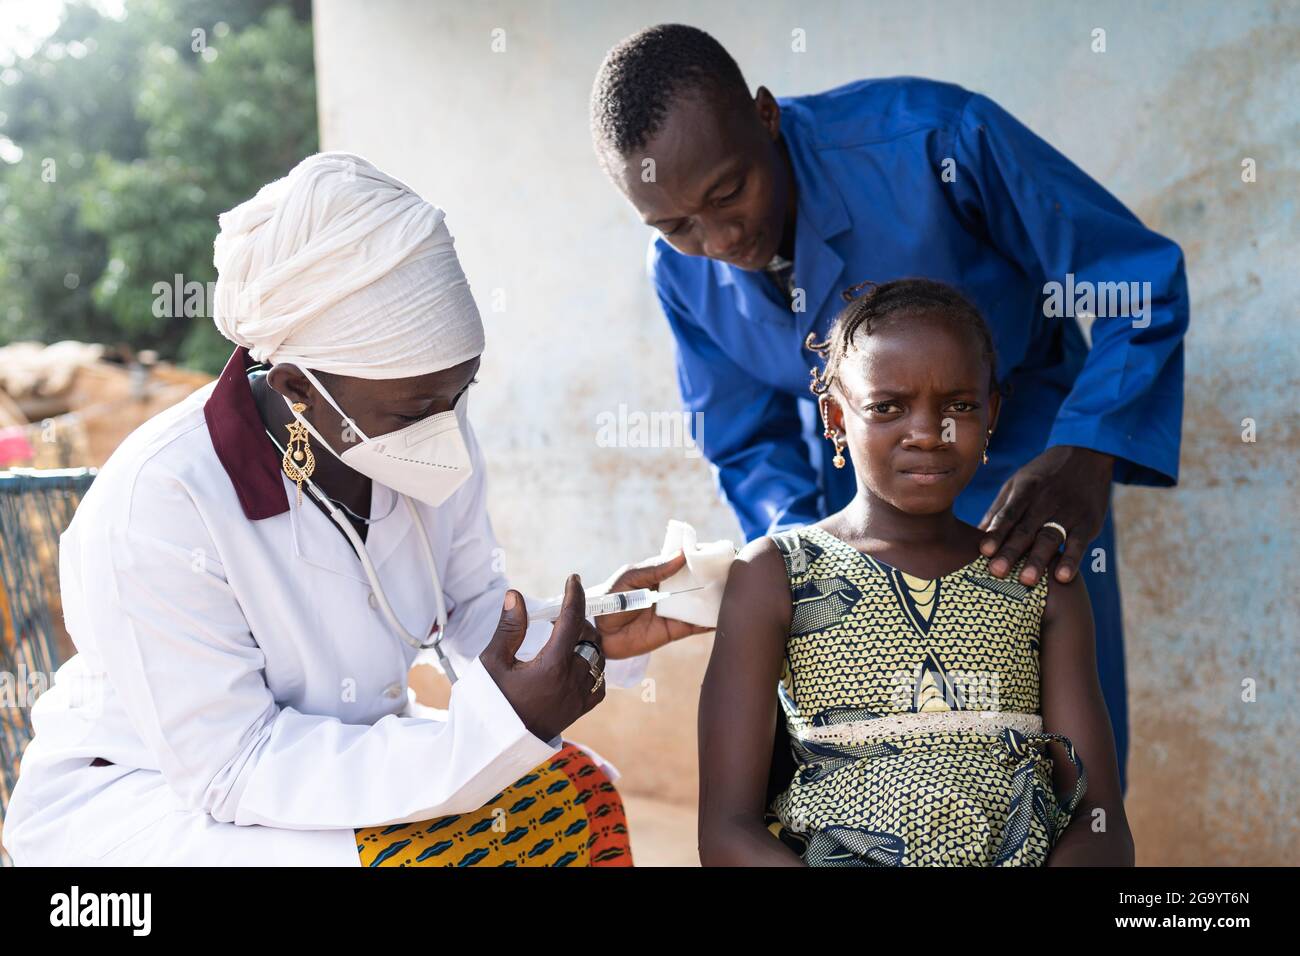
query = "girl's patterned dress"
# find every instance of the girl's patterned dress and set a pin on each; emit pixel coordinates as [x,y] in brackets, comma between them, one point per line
[913,713]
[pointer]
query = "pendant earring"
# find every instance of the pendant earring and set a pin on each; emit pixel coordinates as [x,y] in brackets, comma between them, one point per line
[986,447]
[829,434]
[298,462]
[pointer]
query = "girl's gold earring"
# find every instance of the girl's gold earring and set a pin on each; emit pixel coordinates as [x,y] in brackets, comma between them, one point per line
[299,463]
[986,447]
[829,434]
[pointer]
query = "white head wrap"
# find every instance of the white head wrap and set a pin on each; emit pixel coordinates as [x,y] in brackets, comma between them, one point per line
[341,268]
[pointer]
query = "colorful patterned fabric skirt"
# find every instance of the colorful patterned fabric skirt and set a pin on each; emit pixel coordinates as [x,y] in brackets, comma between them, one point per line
[566,812]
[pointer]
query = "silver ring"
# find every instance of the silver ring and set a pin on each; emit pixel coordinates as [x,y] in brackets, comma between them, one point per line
[1054,525]
[590,653]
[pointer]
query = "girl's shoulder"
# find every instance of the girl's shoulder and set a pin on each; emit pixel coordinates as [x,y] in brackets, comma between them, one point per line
[760,558]
[757,581]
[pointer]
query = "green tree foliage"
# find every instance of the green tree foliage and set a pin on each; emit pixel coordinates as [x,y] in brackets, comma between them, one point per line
[134,135]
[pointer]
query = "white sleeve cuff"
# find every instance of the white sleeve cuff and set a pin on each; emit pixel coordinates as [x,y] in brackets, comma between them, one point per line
[626,673]
[482,702]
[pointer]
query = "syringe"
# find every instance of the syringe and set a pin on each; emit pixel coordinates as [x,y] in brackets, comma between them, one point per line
[614,603]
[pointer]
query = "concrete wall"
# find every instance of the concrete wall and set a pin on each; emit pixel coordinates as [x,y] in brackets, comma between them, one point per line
[1164,118]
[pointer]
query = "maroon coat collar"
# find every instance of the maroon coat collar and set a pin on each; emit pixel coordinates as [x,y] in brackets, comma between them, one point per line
[239,438]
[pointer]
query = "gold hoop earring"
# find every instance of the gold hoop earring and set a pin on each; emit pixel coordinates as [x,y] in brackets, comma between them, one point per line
[299,463]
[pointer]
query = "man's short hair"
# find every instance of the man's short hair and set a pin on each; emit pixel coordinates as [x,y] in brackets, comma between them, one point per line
[642,76]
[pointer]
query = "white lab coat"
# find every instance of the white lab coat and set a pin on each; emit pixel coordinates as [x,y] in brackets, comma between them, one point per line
[240,678]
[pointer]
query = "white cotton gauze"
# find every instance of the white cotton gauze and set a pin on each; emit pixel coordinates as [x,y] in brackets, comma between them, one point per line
[706,569]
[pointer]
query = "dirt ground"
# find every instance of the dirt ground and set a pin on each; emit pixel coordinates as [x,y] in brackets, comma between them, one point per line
[663,834]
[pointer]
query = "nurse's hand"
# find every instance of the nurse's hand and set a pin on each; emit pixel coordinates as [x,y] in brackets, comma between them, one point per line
[639,632]
[1065,484]
[553,689]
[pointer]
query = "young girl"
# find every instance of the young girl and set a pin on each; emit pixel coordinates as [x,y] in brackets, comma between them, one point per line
[937,715]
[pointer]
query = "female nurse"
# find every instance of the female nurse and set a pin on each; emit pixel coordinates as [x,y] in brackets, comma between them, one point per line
[255,570]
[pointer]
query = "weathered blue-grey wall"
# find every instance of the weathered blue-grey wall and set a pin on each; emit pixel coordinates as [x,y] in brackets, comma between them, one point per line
[1183,93]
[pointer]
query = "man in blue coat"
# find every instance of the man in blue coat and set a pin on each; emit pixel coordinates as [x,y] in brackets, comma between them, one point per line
[765,209]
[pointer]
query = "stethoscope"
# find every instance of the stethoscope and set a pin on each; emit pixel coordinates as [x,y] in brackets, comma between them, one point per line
[440,626]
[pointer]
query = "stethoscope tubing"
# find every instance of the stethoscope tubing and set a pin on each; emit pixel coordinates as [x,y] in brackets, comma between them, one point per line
[372,575]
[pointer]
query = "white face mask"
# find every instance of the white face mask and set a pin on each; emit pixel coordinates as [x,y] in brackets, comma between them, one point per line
[427,460]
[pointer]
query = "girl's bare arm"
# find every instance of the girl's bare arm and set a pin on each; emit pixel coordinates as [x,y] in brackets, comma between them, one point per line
[1098,834]
[738,712]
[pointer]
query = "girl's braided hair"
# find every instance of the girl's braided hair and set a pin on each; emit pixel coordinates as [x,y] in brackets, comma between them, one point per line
[870,303]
